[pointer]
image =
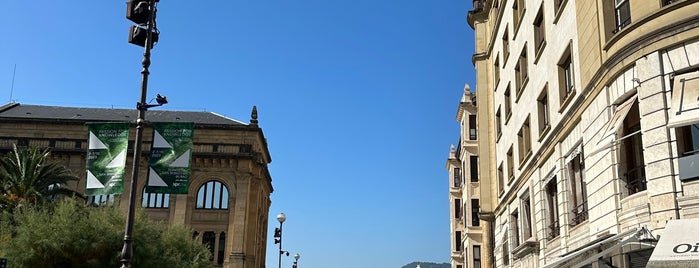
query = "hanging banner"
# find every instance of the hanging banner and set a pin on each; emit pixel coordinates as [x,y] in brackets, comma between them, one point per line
[170,154]
[106,158]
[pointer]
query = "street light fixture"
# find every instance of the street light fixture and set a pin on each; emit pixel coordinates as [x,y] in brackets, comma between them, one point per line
[296,260]
[141,12]
[278,236]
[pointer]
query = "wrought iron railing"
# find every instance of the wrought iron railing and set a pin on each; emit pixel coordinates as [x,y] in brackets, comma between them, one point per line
[636,180]
[579,214]
[554,230]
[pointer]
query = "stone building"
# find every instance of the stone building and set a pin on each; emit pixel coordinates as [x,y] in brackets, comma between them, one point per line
[229,193]
[464,190]
[587,115]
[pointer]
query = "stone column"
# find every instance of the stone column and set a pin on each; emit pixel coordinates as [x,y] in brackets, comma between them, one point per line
[237,221]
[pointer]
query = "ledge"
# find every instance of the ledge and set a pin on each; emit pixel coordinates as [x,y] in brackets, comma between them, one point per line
[527,247]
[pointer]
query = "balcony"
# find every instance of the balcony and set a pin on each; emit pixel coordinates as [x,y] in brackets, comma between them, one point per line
[579,214]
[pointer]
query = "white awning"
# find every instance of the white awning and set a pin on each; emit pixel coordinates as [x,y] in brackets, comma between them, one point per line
[621,239]
[618,119]
[685,100]
[613,125]
[677,245]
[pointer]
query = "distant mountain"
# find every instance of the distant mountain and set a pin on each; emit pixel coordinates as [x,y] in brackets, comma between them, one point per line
[427,265]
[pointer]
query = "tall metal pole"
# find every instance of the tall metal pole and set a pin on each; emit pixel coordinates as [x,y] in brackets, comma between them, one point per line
[281,233]
[127,250]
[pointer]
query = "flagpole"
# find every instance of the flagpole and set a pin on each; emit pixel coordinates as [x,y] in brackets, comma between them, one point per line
[142,107]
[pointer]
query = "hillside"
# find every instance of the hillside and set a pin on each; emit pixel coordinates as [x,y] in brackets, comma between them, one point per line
[427,265]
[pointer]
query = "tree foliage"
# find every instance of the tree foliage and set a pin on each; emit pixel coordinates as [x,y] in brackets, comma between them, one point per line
[28,177]
[73,235]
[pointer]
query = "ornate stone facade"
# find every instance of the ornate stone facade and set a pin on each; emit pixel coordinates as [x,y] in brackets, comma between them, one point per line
[584,141]
[229,193]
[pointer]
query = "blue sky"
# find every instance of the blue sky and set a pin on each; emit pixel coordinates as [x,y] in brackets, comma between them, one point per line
[357,100]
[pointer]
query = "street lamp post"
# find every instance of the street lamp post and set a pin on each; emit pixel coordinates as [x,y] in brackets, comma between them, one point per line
[142,107]
[296,260]
[278,236]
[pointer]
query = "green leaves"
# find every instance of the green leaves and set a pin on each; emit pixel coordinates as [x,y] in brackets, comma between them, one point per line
[73,235]
[28,177]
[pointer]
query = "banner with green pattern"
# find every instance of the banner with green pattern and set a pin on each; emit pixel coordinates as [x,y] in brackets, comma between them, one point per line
[169,160]
[106,158]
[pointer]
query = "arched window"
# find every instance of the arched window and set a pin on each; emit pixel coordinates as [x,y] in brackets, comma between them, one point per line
[221,247]
[100,200]
[155,200]
[212,195]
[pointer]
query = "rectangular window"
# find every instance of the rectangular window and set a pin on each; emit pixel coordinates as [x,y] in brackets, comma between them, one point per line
[565,77]
[508,104]
[505,46]
[577,190]
[474,168]
[632,151]
[514,229]
[622,12]
[688,140]
[501,180]
[475,206]
[457,241]
[526,220]
[543,109]
[496,71]
[510,166]
[505,250]
[476,256]
[553,229]
[472,133]
[521,73]
[517,12]
[539,32]
[457,177]
[457,208]
[524,141]
[558,4]
[498,123]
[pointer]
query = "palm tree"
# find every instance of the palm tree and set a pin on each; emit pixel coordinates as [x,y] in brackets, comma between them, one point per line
[28,177]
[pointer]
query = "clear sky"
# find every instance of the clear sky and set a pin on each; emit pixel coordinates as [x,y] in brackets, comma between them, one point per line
[357,99]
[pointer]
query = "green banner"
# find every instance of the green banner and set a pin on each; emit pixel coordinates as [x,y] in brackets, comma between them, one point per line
[106,158]
[169,160]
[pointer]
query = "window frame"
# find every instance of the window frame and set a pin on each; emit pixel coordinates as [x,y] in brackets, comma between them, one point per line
[472,127]
[510,166]
[475,207]
[526,216]
[521,73]
[508,104]
[618,13]
[543,108]
[161,200]
[473,167]
[209,198]
[476,256]
[539,34]
[566,78]
[553,229]
[524,142]
[578,189]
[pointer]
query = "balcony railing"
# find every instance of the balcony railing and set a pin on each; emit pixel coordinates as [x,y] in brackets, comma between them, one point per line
[636,180]
[579,214]
[554,230]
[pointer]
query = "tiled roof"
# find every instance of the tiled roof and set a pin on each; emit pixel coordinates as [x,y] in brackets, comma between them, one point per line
[34,112]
